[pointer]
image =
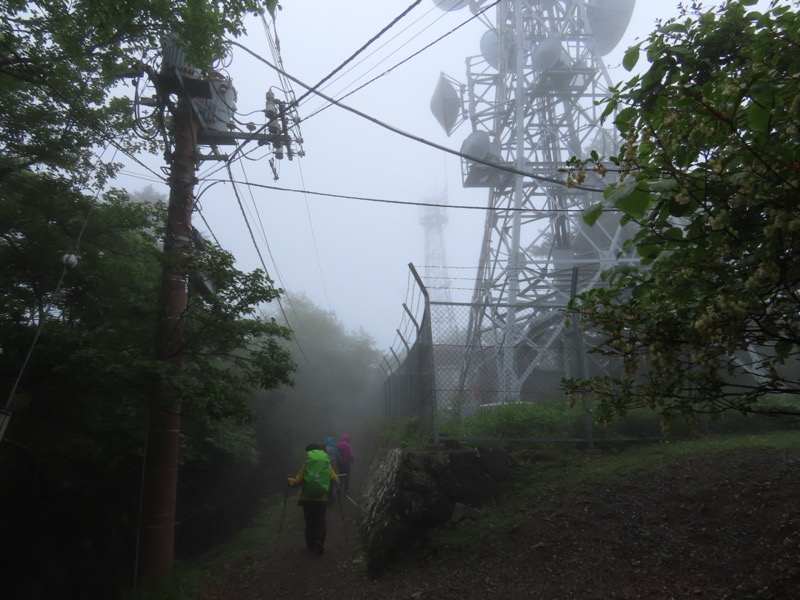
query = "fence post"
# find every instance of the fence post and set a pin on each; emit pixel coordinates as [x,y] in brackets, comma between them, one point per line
[583,370]
[427,367]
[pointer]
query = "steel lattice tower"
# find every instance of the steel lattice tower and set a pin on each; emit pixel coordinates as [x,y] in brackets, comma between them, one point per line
[531,98]
[433,220]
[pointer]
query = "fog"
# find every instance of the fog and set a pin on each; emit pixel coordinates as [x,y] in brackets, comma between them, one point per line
[347,243]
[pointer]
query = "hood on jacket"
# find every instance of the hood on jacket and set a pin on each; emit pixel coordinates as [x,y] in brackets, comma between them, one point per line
[329,441]
[345,438]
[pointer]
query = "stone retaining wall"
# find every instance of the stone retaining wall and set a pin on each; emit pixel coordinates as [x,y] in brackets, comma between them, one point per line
[410,493]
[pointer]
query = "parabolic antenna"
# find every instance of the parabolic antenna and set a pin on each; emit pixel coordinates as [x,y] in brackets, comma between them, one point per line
[445,104]
[546,54]
[609,19]
[476,145]
[451,4]
[475,6]
[490,48]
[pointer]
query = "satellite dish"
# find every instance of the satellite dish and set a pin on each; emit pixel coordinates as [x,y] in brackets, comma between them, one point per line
[490,48]
[609,19]
[446,104]
[449,5]
[546,54]
[475,6]
[477,145]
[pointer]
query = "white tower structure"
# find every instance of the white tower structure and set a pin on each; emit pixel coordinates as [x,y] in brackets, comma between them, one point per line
[530,98]
[433,220]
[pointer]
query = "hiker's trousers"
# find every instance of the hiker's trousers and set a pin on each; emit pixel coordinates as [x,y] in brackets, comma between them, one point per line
[314,513]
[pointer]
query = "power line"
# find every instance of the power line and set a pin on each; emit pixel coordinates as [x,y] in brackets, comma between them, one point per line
[54,296]
[500,167]
[376,50]
[314,240]
[409,202]
[405,60]
[313,90]
[261,257]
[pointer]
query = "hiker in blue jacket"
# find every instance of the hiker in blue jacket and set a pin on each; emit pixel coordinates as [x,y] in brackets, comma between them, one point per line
[333,454]
[315,478]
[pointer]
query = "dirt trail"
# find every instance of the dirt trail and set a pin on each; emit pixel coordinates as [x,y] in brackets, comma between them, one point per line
[721,527]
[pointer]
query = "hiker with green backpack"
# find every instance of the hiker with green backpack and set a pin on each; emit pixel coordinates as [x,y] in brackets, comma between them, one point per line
[315,478]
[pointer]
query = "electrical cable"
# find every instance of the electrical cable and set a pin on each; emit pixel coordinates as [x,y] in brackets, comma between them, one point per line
[249,228]
[500,167]
[274,45]
[261,257]
[375,51]
[74,109]
[54,295]
[313,90]
[405,60]
[410,202]
[314,241]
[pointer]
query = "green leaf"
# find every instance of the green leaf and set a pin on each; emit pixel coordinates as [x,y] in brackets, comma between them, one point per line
[631,199]
[593,213]
[674,233]
[615,193]
[641,292]
[625,119]
[758,117]
[662,185]
[631,58]
[673,28]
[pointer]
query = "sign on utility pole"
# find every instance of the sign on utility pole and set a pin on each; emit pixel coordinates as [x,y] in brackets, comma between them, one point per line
[202,111]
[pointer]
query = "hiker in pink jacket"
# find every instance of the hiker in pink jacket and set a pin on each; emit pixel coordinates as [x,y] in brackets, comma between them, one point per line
[346,458]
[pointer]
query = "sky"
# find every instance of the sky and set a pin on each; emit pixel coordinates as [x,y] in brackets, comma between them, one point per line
[351,256]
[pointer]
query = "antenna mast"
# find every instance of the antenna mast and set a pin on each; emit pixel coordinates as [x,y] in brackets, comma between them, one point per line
[531,100]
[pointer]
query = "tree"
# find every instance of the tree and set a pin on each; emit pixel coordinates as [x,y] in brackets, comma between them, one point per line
[62,68]
[336,375]
[80,407]
[709,170]
[62,65]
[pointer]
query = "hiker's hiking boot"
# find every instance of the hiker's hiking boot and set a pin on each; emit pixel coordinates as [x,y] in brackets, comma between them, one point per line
[319,549]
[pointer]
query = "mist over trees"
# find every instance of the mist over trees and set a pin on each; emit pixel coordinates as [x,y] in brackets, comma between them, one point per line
[76,349]
[336,377]
[71,461]
[709,172]
[77,333]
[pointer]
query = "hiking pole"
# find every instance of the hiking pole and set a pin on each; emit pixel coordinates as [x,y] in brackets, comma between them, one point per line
[283,512]
[341,511]
[351,500]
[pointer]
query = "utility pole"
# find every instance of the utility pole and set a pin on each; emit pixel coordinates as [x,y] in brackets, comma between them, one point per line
[202,114]
[160,479]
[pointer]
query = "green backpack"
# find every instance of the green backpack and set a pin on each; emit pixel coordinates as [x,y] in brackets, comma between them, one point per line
[317,475]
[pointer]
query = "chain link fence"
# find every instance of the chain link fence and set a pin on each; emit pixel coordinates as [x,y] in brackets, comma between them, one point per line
[454,380]
[443,376]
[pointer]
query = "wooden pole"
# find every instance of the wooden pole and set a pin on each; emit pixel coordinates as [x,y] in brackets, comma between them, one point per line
[160,478]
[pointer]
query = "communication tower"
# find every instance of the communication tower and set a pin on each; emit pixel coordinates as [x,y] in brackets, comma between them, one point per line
[433,220]
[531,100]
